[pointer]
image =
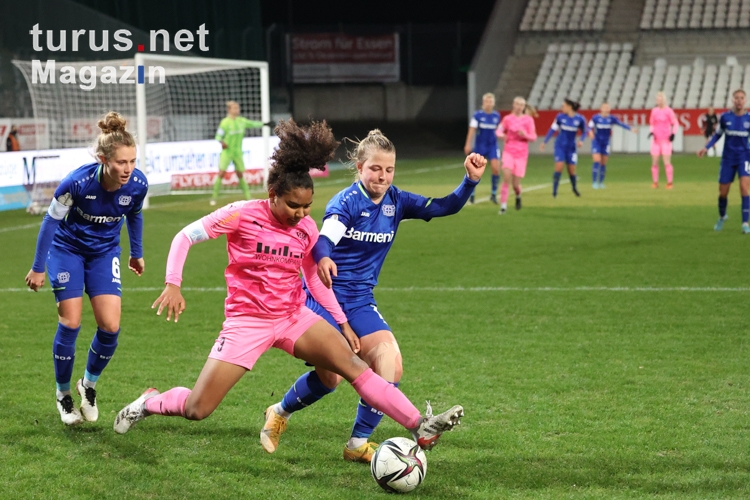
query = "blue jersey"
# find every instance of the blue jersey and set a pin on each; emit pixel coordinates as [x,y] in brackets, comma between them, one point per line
[486,125]
[357,233]
[95,216]
[737,129]
[602,127]
[568,127]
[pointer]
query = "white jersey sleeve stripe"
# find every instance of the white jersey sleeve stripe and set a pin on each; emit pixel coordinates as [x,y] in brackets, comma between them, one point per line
[474,123]
[333,230]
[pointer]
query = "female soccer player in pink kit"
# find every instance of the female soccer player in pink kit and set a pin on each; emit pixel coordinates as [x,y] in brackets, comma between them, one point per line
[269,242]
[664,124]
[518,130]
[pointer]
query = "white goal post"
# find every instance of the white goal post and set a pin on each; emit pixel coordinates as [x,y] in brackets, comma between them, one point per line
[169,99]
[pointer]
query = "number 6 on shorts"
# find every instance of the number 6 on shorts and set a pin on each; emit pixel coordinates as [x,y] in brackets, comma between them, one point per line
[116,267]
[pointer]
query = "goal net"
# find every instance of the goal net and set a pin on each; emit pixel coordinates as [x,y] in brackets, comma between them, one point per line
[44,174]
[173,105]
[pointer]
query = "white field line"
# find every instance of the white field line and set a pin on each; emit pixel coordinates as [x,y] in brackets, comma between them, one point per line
[453,289]
[536,187]
[16,228]
[326,183]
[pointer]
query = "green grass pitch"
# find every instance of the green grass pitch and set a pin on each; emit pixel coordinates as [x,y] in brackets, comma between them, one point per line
[596,343]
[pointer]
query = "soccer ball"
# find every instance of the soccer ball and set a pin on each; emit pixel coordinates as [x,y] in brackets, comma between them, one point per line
[35,208]
[399,465]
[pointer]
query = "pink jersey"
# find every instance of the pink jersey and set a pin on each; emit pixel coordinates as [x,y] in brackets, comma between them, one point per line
[515,144]
[661,121]
[265,258]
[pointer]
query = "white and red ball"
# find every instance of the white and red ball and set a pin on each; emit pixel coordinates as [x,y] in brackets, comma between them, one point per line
[399,465]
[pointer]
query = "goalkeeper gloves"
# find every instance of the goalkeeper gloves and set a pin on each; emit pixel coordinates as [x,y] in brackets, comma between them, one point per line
[271,124]
[671,137]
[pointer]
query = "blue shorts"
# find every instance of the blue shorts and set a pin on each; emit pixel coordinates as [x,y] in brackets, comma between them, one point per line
[727,172]
[600,147]
[69,273]
[566,154]
[364,319]
[491,152]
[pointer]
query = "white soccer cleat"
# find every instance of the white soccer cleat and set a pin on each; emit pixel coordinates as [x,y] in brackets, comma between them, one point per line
[69,414]
[134,412]
[89,410]
[431,427]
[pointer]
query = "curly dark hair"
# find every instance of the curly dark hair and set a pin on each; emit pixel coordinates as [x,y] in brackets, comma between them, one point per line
[300,149]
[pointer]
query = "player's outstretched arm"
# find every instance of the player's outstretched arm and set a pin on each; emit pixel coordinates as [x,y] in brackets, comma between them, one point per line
[171,300]
[223,221]
[475,165]
[58,209]
[420,207]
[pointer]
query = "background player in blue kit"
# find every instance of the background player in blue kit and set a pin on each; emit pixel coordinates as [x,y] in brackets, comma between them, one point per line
[600,132]
[359,226]
[80,241]
[481,139]
[735,160]
[567,124]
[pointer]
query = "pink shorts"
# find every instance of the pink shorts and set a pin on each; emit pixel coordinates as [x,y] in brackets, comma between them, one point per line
[661,147]
[516,164]
[244,338]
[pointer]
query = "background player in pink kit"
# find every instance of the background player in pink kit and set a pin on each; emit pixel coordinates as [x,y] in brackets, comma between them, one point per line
[518,130]
[664,124]
[268,242]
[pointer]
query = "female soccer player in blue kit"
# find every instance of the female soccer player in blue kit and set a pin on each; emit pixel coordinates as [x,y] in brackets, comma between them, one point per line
[359,226]
[567,123]
[735,160]
[600,132]
[80,242]
[481,139]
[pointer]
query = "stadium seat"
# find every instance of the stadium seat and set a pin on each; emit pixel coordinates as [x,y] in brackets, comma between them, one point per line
[564,15]
[695,14]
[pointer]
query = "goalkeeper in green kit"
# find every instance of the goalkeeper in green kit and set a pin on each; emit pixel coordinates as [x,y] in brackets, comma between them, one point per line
[230,133]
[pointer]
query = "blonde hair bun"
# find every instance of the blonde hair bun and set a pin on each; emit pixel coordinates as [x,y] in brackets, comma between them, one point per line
[112,122]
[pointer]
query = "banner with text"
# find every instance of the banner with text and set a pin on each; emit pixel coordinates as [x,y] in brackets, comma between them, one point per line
[337,57]
[165,160]
[691,120]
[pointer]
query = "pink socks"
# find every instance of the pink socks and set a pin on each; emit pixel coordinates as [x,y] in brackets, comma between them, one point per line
[504,193]
[170,403]
[670,172]
[385,397]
